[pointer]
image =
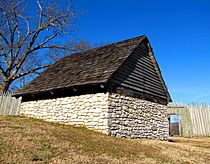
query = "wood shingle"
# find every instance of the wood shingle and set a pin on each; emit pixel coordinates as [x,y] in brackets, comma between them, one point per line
[96,66]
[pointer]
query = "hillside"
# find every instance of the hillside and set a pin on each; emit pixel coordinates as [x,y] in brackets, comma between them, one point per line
[24,140]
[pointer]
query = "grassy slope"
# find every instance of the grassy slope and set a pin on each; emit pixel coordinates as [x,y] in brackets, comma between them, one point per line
[24,140]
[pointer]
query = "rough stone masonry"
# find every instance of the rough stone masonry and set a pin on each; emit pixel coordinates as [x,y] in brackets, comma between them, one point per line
[110,113]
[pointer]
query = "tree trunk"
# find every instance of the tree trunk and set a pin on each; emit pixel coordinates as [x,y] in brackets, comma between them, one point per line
[4,87]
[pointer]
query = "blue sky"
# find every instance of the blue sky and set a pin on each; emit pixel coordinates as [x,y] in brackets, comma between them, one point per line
[179,32]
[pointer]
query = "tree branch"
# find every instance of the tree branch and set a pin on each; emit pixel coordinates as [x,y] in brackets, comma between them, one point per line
[27,51]
[54,47]
[4,38]
[28,72]
[2,71]
[4,56]
[40,13]
[20,43]
[39,46]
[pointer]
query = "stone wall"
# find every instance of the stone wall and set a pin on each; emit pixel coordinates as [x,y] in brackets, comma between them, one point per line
[136,118]
[110,113]
[90,110]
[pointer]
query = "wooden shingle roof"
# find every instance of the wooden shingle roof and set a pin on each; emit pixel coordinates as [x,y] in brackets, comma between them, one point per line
[94,66]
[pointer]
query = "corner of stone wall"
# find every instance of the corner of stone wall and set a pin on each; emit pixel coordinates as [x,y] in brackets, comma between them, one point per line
[131,117]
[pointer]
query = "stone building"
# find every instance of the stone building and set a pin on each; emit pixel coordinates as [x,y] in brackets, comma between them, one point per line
[116,89]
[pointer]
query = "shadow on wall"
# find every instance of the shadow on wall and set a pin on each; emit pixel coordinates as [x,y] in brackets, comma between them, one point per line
[139,74]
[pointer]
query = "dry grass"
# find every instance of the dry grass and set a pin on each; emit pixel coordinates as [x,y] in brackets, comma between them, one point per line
[27,140]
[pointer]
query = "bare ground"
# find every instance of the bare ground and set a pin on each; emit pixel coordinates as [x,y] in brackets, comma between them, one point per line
[27,140]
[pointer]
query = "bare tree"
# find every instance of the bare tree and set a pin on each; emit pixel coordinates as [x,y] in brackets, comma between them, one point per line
[27,33]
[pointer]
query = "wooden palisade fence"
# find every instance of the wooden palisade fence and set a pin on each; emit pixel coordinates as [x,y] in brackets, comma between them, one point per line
[194,119]
[9,105]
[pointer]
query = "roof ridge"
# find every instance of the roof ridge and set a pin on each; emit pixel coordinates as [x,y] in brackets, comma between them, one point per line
[109,44]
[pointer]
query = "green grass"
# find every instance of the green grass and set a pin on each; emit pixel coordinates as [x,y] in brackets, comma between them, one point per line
[24,140]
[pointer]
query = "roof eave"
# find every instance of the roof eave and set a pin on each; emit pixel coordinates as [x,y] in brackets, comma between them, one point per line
[74,88]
